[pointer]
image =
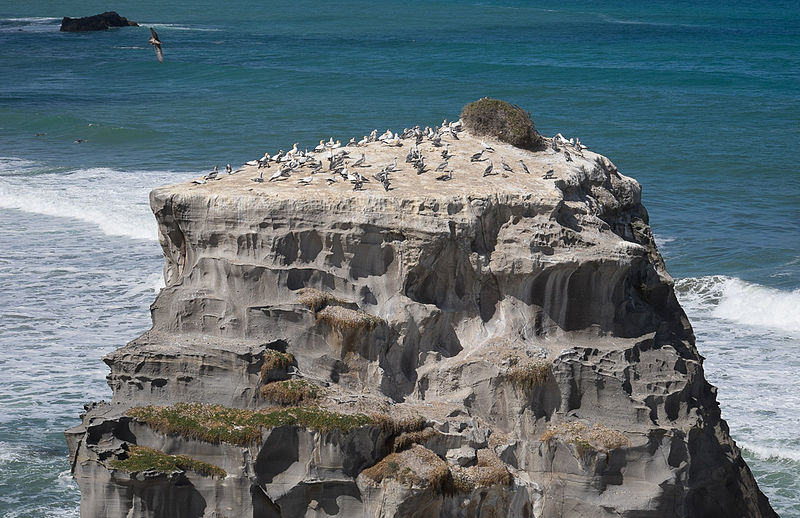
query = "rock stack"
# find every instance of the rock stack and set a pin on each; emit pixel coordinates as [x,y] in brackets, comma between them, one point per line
[506,345]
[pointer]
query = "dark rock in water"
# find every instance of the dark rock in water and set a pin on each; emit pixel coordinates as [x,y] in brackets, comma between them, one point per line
[98,22]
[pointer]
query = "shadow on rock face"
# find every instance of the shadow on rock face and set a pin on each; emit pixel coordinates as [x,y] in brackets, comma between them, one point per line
[280,450]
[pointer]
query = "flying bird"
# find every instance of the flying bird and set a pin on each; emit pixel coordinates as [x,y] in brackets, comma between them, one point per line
[156,43]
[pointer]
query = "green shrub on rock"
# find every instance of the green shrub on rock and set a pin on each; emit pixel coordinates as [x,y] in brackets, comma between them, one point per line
[506,122]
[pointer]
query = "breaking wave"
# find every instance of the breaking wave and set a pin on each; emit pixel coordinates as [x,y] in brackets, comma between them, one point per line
[115,201]
[741,302]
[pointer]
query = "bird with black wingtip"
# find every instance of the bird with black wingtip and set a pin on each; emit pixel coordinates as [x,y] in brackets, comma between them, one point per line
[156,43]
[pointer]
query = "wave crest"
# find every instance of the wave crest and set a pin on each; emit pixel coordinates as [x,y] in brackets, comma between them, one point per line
[115,201]
[742,302]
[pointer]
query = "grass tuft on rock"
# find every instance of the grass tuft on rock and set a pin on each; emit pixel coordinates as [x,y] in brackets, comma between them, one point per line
[504,121]
[417,466]
[141,458]
[276,360]
[489,471]
[216,423]
[529,375]
[290,392]
[314,299]
[407,439]
[586,439]
[344,318]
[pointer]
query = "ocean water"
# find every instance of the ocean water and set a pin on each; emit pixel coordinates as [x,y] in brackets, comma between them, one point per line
[700,101]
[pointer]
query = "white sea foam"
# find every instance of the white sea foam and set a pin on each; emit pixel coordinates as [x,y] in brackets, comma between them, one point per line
[115,201]
[176,27]
[31,24]
[618,21]
[741,302]
[661,241]
[771,453]
[9,453]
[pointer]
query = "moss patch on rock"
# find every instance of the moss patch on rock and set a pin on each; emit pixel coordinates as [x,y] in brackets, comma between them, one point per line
[417,466]
[344,318]
[489,471]
[141,458]
[407,439]
[314,299]
[290,392]
[585,438]
[504,121]
[216,423]
[276,360]
[529,374]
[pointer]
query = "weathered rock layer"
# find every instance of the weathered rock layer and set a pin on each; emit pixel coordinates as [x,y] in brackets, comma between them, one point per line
[511,345]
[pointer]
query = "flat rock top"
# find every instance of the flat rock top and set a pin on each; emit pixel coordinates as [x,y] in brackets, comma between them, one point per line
[467,177]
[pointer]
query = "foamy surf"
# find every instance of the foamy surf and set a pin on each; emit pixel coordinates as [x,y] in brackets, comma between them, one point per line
[771,453]
[741,302]
[114,201]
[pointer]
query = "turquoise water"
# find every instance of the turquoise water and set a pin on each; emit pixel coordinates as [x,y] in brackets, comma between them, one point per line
[700,103]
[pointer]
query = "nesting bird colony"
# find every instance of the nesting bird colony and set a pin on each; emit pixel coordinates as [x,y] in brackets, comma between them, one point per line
[420,159]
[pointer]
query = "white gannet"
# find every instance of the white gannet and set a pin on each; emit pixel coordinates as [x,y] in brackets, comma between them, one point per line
[321,146]
[305,181]
[360,161]
[228,168]
[524,167]
[505,166]
[487,147]
[393,141]
[352,142]
[251,162]
[363,141]
[477,157]
[336,145]
[279,175]
[488,170]
[260,177]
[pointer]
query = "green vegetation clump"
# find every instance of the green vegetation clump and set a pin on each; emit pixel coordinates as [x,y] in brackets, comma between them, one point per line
[290,392]
[529,375]
[506,122]
[344,318]
[276,360]
[216,423]
[141,458]
[586,439]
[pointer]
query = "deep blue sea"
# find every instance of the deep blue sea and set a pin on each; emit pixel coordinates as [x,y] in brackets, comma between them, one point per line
[700,101]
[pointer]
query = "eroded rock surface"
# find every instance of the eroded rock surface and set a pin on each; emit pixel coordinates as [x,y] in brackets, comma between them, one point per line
[525,324]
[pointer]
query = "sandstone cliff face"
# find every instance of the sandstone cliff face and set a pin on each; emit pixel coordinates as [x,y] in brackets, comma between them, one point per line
[512,346]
